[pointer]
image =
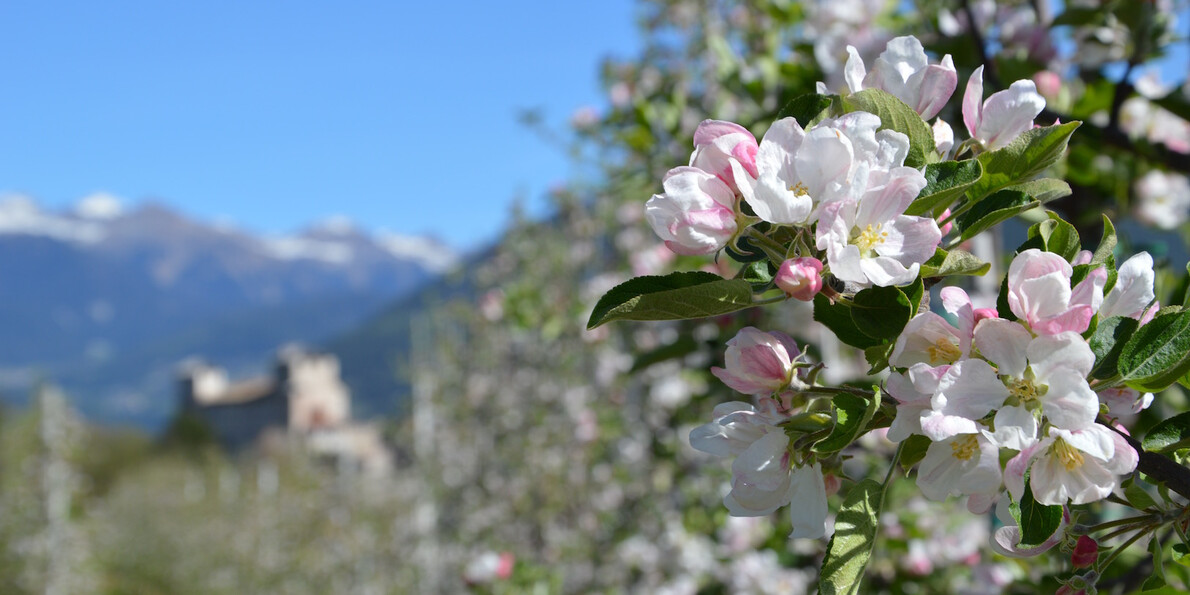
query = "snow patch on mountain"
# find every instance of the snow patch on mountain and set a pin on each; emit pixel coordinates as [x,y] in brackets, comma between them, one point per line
[433,255]
[295,248]
[20,215]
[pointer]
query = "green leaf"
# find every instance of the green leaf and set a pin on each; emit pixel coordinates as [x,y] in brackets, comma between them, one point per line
[759,275]
[1078,16]
[997,208]
[1107,342]
[1137,496]
[837,318]
[878,357]
[851,546]
[1044,190]
[945,182]
[913,451]
[1056,236]
[1181,554]
[852,414]
[808,109]
[1107,243]
[808,422]
[676,296]
[1158,353]
[1024,158]
[1157,580]
[1038,522]
[1169,435]
[954,262]
[895,115]
[881,312]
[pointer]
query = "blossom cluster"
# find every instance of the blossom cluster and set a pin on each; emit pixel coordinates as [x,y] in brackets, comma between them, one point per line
[842,182]
[990,383]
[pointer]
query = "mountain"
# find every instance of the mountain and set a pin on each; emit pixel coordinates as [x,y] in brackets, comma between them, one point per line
[107,301]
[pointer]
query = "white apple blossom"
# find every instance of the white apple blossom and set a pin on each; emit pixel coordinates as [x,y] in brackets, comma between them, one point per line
[1075,466]
[761,477]
[1162,199]
[735,427]
[929,338]
[997,121]
[904,71]
[695,214]
[943,137]
[967,392]
[962,464]
[1123,401]
[808,498]
[1133,292]
[913,392]
[871,241]
[1039,293]
[838,159]
[1046,373]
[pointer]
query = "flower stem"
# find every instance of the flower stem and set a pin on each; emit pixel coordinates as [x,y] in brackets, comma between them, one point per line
[1120,549]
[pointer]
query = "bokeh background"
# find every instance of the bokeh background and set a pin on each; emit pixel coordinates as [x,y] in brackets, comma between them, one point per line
[295,296]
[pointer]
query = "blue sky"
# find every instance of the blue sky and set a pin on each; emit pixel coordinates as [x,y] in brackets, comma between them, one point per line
[272,115]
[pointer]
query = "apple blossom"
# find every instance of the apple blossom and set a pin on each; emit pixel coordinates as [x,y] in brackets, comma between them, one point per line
[913,392]
[1122,401]
[735,427]
[808,497]
[997,121]
[929,338]
[761,477]
[871,242]
[1046,373]
[695,214]
[717,143]
[1162,199]
[1039,293]
[838,159]
[759,363]
[962,464]
[904,71]
[800,278]
[1075,466]
[1133,292]
[943,137]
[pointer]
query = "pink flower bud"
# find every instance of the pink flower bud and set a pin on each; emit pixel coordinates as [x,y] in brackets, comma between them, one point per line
[695,214]
[1049,84]
[983,313]
[949,224]
[716,143]
[832,484]
[800,278]
[758,363]
[1086,552]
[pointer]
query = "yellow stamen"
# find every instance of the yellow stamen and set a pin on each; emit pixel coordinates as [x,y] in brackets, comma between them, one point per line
[870,237]
[964,447]
[943,351]
[799,189]
[1069,456]
[1024,390]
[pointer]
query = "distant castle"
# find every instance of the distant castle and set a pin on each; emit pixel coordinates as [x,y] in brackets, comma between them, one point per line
[305,396]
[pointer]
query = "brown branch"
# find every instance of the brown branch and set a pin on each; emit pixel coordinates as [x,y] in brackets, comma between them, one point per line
[1160,467]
